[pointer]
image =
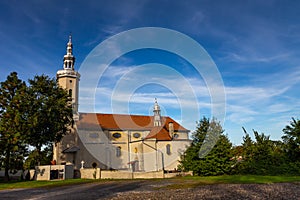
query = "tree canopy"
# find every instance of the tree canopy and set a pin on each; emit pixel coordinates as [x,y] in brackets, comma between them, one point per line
[291,139]
[36,115]
[259,156]
[49,114]
[263,156]
[13,123]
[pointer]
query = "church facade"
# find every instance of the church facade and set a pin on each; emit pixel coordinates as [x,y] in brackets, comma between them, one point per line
[117,141]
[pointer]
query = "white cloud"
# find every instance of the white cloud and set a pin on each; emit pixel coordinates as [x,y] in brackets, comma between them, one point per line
[278,108]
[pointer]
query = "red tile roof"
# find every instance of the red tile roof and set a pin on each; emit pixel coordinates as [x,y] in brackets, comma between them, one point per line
[159,133]
[92,121]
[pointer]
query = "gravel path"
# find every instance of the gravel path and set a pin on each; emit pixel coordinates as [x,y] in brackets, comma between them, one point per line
[287,191]
[158,189]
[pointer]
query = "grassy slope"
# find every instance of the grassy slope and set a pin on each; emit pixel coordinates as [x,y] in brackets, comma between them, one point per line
[182,182]
[244,179]
[196,181]
[36,184]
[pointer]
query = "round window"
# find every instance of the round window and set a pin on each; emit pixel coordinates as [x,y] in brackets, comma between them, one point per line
[116,135]
[175,135]
[136,135]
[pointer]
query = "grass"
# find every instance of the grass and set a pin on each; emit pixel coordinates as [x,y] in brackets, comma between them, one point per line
[175,183]
[39,184]
[196,181]
[243,179]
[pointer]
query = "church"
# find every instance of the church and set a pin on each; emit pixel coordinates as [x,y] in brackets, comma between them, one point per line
[136,143]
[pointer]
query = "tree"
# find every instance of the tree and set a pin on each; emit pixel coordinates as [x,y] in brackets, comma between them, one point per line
[208,136]
[191,155]
[291,139]
[13,123]
[262,156]
[45,155]
[50,113]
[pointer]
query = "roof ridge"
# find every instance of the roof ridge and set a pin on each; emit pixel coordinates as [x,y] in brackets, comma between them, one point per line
[124,121]
[122,114]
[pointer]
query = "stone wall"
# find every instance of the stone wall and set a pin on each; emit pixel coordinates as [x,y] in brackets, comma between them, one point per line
[108,174]
[67,172]
[116,175]
[15,175]
[48,172]
[19,173]
[42,173]
[90,173]
[146,175]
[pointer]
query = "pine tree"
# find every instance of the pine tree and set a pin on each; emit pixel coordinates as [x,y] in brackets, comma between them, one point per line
[261,156]
[208,136]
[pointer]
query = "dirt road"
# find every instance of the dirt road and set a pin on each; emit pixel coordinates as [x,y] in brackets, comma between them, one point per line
[158,189]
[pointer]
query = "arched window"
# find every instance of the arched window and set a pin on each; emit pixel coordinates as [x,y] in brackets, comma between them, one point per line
[118,151]
[70,92]
[168,149]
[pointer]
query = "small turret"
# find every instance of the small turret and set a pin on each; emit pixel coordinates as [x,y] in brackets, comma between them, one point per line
[69,59]
[156,111]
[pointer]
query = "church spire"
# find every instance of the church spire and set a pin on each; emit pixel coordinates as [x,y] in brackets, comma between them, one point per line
[156,112]
[69,59]
[68,78]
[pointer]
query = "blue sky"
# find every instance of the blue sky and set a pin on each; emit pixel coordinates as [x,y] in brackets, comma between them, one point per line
[255,46]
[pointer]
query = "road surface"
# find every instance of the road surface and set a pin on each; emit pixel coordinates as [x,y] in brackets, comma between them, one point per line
[157,189]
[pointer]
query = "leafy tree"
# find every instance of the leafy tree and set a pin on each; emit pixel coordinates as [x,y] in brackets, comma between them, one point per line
[210,151]
[291,139]
[36,116]
[262,156]
[50,113]
[12,123]
[45,155]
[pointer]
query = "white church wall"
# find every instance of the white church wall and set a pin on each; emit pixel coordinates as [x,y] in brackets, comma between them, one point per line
[152,159]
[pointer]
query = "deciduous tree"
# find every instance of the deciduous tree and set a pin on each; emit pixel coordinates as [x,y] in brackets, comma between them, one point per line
[50,113]
[13,123]
[291,139]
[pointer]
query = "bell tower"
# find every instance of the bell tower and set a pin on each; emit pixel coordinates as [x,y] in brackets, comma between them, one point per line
[68,78]
[156,112]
